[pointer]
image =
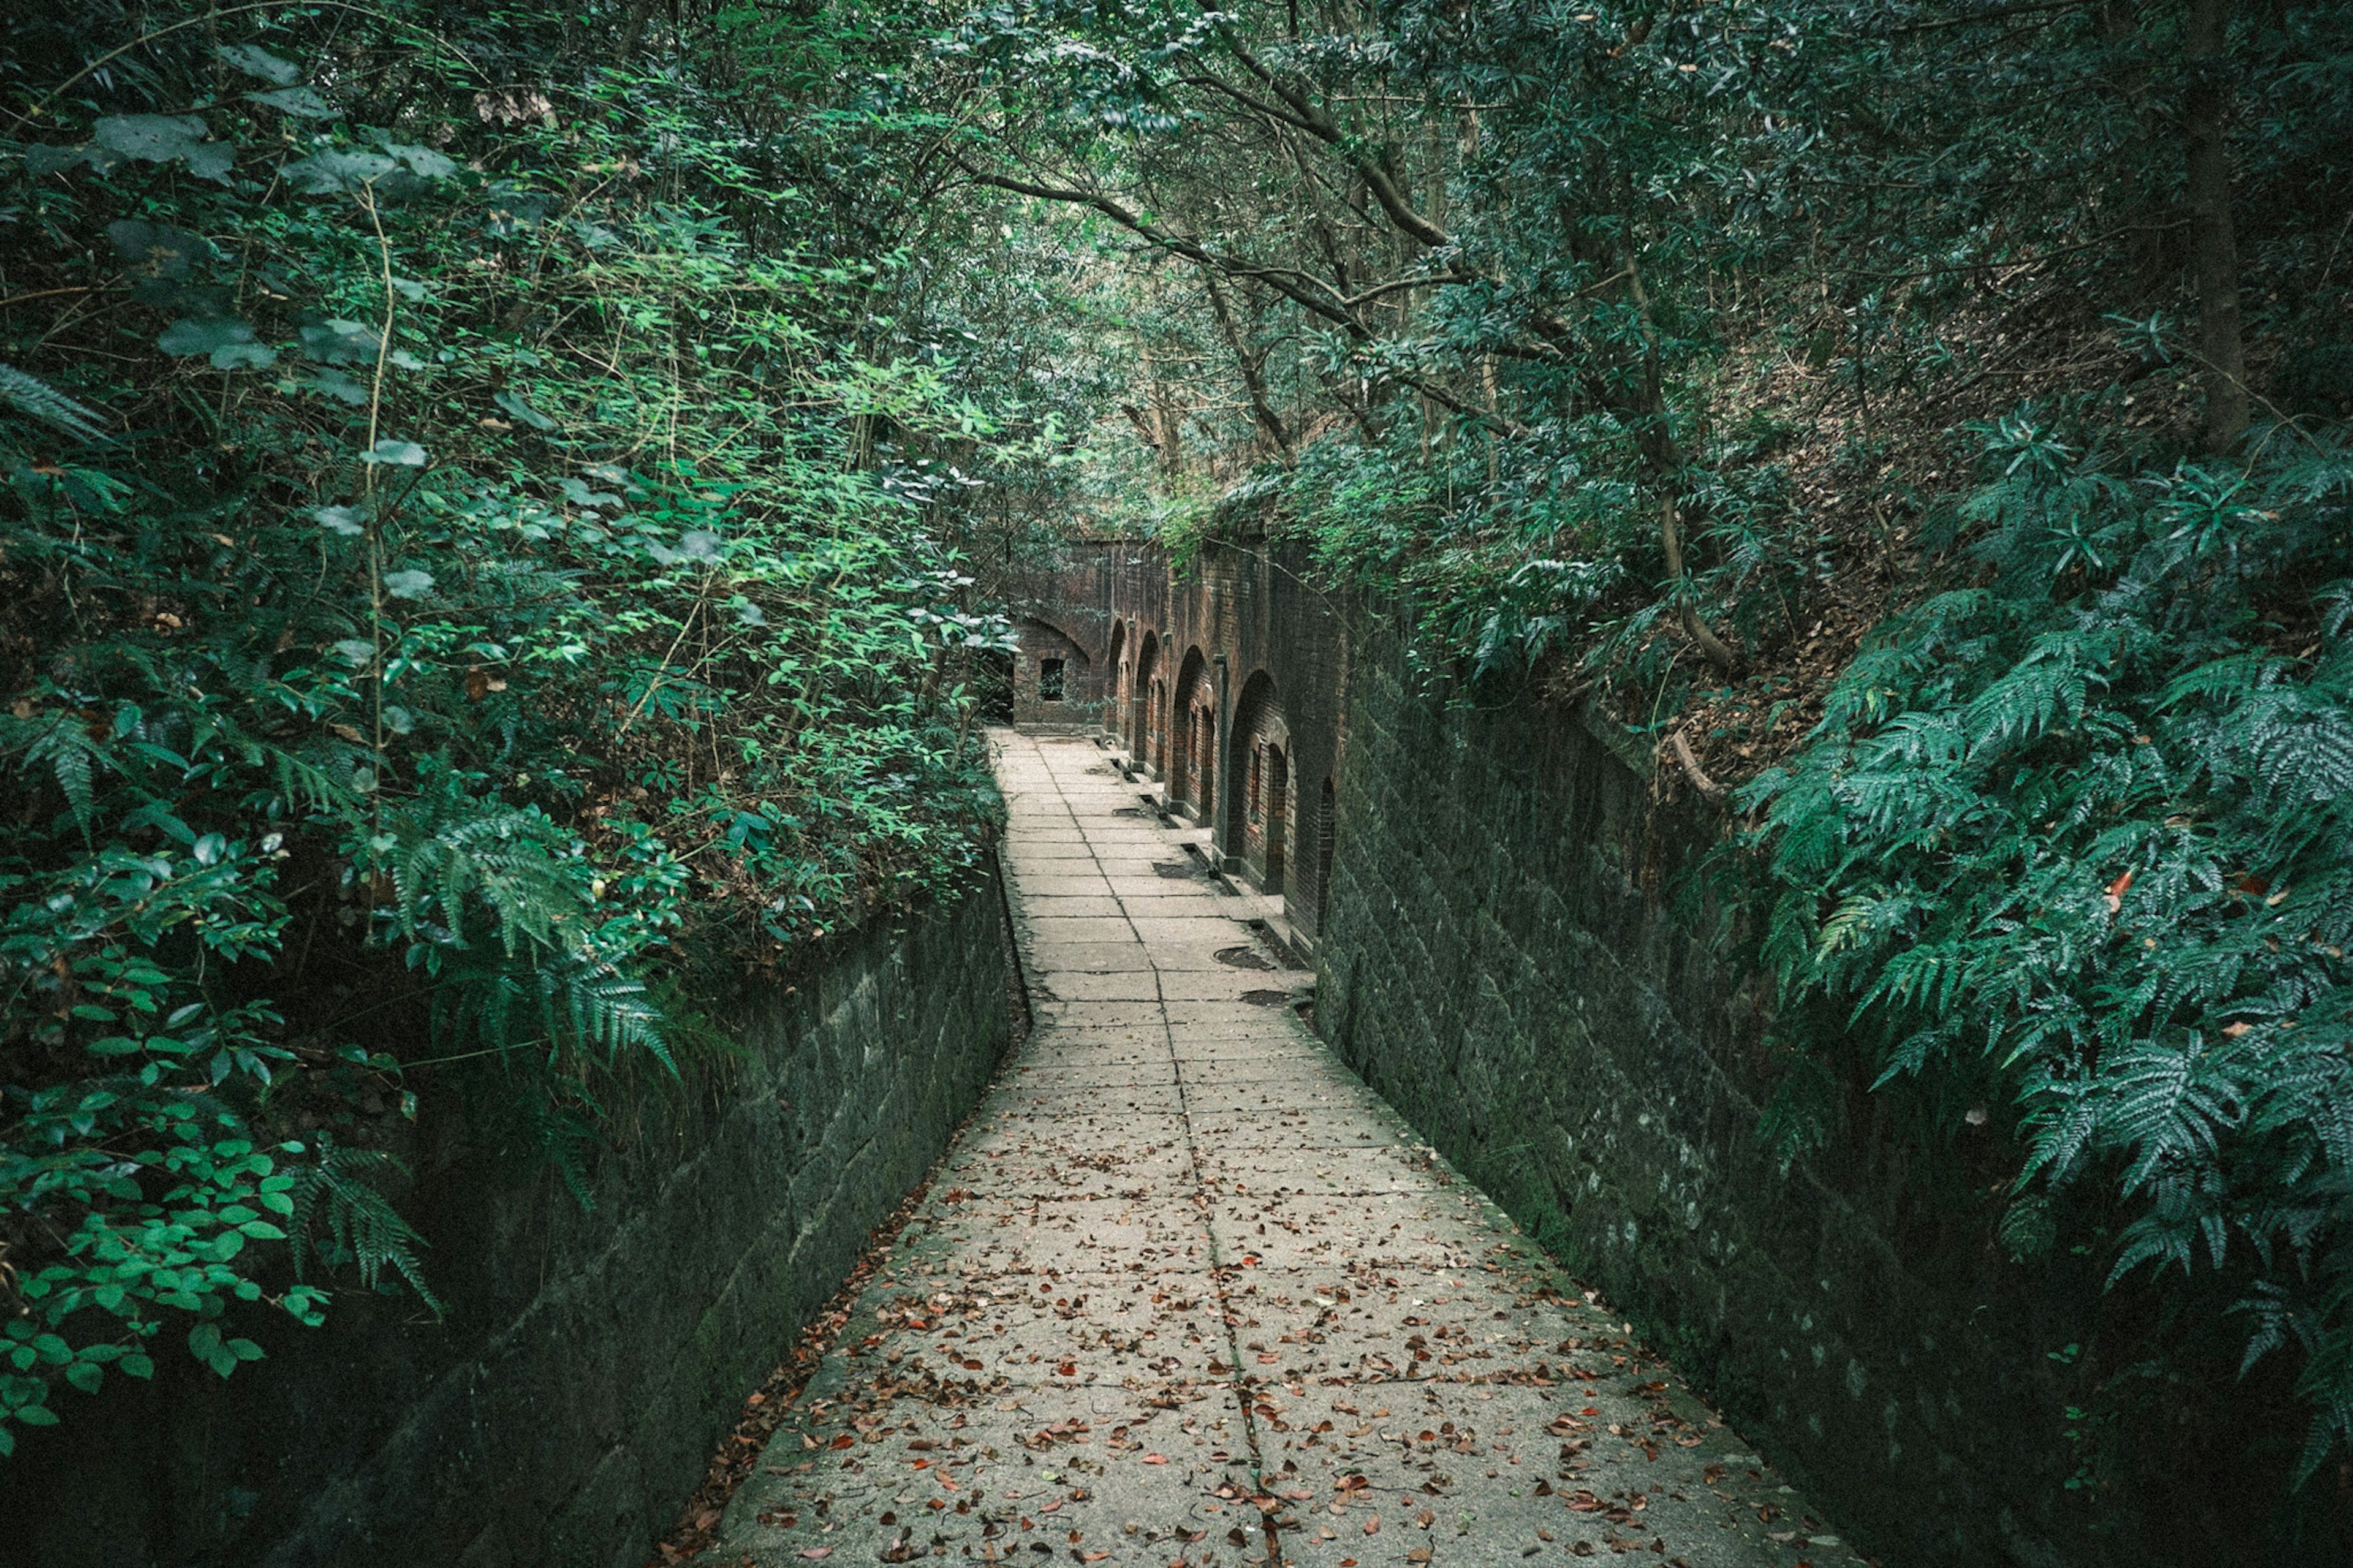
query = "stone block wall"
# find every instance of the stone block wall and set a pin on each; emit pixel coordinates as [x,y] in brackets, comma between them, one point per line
[1497,960]
[567,1404]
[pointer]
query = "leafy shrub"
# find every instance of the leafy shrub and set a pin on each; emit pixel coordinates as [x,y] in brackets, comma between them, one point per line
[2073,846]
[456,583]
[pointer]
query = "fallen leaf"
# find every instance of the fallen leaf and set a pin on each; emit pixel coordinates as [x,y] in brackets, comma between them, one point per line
[2116,890]
[1373,1525]
[1155,1459]
[816,1551]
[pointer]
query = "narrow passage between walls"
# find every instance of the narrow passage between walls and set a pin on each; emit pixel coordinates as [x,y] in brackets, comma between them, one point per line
[1186,1293]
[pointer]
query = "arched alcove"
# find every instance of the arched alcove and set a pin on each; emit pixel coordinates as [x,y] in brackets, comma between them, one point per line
[1115,678]
[1260,810]
[1143,720]
[1192,739]
[1054,681]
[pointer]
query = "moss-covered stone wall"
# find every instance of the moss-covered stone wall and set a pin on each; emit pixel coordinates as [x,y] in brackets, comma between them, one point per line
[565,1407]
[1498,959]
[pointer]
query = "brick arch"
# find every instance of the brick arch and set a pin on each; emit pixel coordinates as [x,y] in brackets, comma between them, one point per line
[1054,675]
[1115,678]
[1040,616]
[1261,806]
[1193,738]
[1145,705]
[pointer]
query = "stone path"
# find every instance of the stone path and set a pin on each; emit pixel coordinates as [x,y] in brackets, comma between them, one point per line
[1186,1293]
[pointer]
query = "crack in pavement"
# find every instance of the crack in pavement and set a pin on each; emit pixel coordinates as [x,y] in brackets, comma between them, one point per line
[1186,1294]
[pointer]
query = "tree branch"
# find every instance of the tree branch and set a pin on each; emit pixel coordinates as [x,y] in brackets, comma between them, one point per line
[1692,770]
[1302,288]
[1262,408]
[1191,249]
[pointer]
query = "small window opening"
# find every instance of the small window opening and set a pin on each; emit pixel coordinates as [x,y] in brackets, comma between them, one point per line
[1049,680]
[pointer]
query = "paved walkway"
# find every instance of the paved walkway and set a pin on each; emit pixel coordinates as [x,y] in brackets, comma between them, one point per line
[1188,1293]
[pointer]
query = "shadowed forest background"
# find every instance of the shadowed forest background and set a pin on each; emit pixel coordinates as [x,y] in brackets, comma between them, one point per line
[509,511]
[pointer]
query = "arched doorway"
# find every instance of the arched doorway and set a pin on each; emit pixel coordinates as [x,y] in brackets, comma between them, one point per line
[1053,679]
[1144,708]
[1192,748]
[1115,678]
[1259,808]
[1274,816]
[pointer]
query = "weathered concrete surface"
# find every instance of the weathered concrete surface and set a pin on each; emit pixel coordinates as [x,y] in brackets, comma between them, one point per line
[1187,1292]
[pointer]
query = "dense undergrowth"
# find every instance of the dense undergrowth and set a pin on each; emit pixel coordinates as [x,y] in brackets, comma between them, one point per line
[2071,852]
[465,579]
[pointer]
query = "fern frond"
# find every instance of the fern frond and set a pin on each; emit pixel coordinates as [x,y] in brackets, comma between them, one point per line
[602,1009]
[61,743]
[30,396]
[362,1222]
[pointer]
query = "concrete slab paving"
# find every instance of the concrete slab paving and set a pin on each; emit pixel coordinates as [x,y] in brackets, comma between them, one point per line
[1048,957]
[1073,905]
[1186,1294]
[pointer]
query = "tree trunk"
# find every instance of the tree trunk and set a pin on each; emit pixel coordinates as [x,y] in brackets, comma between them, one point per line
[2213,238]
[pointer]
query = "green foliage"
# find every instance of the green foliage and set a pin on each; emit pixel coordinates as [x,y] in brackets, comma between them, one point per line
[363,1228]
[1648,352]
[2079,843]
[460,580]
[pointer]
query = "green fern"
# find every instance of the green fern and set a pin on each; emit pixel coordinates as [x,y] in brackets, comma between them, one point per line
[340,1189]
[448,853]
[30,396]
[2095,853]
[61,744]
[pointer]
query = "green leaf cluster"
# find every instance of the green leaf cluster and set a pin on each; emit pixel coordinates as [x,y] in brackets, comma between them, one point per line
[2073,849]
[468,598]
